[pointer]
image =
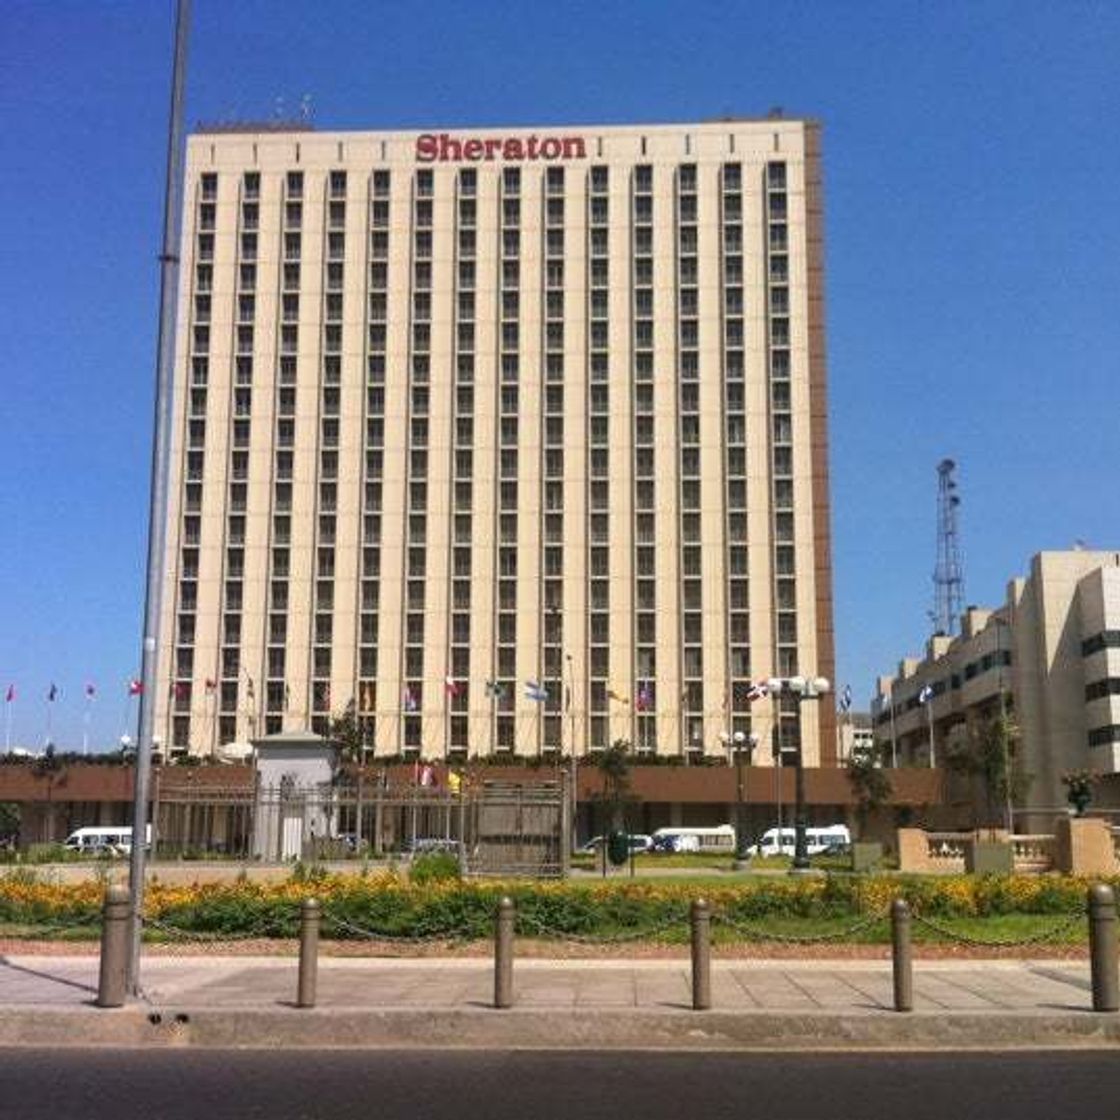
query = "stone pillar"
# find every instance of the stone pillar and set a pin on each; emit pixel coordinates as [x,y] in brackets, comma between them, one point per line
[1083,846]
[913,850]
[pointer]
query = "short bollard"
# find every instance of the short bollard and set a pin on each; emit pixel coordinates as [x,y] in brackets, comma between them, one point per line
[1103,948]
[902,956]
[309,918]
[701,919]
[112,986]
[503,954]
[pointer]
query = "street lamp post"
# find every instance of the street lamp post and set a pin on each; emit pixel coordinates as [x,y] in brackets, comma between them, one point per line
[800,689]
[735,742]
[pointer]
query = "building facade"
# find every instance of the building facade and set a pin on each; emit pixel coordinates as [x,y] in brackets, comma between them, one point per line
[1049,658]
[505,441]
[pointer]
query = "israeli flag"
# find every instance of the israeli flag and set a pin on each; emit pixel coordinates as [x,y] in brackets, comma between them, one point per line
[535,692]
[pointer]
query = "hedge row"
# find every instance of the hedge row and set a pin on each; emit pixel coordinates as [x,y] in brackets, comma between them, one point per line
[389,905]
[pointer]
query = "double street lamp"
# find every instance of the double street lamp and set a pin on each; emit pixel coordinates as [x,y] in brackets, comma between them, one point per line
[797,689]
[736,742]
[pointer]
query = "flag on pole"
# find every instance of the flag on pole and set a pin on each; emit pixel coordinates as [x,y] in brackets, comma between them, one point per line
[11,694]
[757,690]
[52,693]
[451,686]
[644,698]
[493,688]
[536,692]
[135,686]
[846,698]
[926,695]
[91,690]
[408,699]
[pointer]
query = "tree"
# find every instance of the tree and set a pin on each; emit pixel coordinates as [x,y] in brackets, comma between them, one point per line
[345,732]
[987,755]
[614,766]
[870,784]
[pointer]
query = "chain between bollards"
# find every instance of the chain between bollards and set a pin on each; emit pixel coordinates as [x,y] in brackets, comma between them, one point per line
[902,956]
[1103,948]
[310,916]
[112,986]
[503,953]
[700,917]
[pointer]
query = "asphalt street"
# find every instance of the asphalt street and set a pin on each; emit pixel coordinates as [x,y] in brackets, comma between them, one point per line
[496,1085]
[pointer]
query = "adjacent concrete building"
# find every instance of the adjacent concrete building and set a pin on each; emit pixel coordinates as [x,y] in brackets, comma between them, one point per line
[1049,656]
[507,440]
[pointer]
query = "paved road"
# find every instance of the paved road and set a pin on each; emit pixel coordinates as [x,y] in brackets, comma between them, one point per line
[433,1085]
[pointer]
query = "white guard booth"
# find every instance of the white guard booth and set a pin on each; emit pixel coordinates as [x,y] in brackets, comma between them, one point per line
[294,773]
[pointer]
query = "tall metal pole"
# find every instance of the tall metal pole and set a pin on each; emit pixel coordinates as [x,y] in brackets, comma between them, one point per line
[573,761]
[157,507]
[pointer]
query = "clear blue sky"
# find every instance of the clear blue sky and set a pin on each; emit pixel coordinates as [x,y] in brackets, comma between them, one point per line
[972,173]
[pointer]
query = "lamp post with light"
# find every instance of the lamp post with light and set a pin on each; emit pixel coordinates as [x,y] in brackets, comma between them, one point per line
[798,689]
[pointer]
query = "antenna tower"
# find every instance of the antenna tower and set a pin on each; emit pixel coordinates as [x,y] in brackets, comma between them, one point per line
[948,575]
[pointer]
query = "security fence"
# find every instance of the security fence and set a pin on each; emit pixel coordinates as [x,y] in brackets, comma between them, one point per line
[493,828]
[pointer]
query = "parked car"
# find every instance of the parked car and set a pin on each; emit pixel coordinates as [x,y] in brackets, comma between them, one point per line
[422,845]
[639,842]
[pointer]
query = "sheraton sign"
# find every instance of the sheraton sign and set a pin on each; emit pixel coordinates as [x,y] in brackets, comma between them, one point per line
[441,147]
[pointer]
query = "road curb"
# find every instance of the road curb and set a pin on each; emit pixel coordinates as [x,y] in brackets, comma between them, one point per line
[285,1027]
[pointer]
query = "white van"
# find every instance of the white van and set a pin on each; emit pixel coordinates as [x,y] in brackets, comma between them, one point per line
[830,838]
[113,839]
[721,838]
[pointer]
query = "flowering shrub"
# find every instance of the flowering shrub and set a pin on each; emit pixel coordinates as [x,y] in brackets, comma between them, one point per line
[388,904]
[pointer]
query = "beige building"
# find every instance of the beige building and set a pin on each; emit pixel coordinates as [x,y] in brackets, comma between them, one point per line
[1049,657]
[512,440]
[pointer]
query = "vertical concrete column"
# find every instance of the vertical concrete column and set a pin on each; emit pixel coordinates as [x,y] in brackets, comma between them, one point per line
[701,920]
[503,953]
[902,956]
[112,983]
[310,915]
[1103,948]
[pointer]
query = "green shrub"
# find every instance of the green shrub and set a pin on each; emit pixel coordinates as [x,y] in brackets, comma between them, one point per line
[434,867]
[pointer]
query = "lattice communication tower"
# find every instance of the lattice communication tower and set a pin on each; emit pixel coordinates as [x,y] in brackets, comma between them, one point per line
[948,575]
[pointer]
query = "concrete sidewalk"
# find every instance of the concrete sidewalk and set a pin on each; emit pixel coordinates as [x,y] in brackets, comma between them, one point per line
[380,1002]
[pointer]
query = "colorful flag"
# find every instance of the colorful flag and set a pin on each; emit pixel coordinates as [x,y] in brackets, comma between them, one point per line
[450,686]
[926,695]
[91,690]
[135,686]
[757,690]
[409,699]
[11,695]
[211,684]
[496,690]
[846,698]
[536,692]
[645,697]
[52,693]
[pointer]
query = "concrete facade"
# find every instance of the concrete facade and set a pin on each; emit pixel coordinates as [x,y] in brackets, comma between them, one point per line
[459,412]
[1049,657]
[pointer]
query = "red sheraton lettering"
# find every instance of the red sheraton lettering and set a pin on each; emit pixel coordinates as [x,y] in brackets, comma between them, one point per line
[444,148]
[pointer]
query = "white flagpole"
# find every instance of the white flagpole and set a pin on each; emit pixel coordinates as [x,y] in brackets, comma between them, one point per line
[932,759]
[8,726]
[85,725]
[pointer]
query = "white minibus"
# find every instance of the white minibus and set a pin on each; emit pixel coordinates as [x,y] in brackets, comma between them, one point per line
[831,838]
[111,839]
[678,838]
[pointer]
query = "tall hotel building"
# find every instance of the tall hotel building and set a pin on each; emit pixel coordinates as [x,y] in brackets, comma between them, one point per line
[512,440]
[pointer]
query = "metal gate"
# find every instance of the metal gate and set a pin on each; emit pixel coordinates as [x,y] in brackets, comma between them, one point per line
[494,828]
